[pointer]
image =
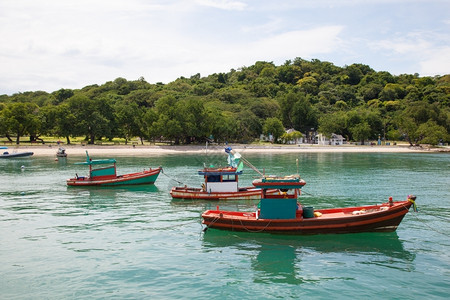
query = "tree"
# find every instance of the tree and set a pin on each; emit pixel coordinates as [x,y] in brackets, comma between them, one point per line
[127,117]
[274,127]
[354,74]
[223,125]
[170,128]
[291,136]
[392,92]
[170,118]
[20,119]
[431,133]
[234,106]
[356,122]
[287,101]
[333,123]
[415,114]
[92,117]
[64,121]
[195,120]
[361,131]
[62,95]
[308,84]
[248,126]
[407,127]
[297,111]
[148,124]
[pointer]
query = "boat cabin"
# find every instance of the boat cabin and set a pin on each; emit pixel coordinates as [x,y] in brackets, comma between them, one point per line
[100,173]
[220,179]
[283,205]
[61,152]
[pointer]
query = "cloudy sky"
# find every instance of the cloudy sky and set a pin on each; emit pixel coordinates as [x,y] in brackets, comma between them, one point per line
[52,44]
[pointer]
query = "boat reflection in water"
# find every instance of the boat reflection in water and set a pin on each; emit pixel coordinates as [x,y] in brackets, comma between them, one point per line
[300,259]
[93,197]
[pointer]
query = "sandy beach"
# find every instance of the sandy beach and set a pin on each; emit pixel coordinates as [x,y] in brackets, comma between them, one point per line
[145,150]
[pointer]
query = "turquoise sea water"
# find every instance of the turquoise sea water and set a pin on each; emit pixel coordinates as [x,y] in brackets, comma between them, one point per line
[58,242]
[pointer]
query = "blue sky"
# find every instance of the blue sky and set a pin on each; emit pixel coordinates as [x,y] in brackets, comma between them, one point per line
[52,44]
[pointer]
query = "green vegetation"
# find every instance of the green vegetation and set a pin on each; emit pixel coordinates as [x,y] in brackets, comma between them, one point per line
[354,101]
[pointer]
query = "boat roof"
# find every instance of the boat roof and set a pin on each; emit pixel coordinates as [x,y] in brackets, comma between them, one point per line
[90,161]
[97,161]
[219,171]
[286,182]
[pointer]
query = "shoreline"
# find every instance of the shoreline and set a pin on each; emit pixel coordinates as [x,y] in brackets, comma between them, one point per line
[143,150]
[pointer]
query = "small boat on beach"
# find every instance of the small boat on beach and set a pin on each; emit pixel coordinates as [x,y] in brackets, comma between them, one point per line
[61,152]
[283,214]
[107,176]
[6,154]
[221,183]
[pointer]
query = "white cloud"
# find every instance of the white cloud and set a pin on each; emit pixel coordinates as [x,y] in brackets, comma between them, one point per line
[435,62]
[411,43]
[49,44]
[428,51]
[300,42]
[207,58]
[223,4]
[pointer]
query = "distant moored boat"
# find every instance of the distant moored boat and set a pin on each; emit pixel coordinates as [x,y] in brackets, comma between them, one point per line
[107,176]
[6,154]
[220,183]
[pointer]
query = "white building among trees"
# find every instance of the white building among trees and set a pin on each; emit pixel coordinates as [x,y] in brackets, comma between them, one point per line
[334,140]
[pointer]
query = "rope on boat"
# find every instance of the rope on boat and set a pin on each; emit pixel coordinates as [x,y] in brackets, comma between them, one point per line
[303,192]
[179,182]
[260,230]
[429,227]
[240,221]
[212,222]
[415,216]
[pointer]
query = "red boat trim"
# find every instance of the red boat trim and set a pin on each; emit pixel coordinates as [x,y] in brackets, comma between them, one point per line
[197,193]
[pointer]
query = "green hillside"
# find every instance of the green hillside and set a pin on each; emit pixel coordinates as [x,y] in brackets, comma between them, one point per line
[354,101]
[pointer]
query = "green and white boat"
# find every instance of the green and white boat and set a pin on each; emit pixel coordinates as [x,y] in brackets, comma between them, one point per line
[101,175]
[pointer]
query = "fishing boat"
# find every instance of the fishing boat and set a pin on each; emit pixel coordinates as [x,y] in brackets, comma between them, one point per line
[61,152]
[107,176]
[283,214]
[6,154]
[221,183]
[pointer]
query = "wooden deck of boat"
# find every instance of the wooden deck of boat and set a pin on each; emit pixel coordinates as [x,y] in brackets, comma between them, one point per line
[250,215]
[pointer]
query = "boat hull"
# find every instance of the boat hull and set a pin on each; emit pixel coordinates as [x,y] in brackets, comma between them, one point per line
[199,194]
[145,177]
[20,154]
[377,218]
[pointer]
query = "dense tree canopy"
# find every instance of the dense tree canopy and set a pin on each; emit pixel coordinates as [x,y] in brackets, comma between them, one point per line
[354,101]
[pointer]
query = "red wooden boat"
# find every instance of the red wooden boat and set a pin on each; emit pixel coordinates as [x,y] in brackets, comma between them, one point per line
[221,183]
[107,176]
[284,215]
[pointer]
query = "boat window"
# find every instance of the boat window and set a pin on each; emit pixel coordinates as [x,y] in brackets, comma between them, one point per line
[213,178]
[229,178]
